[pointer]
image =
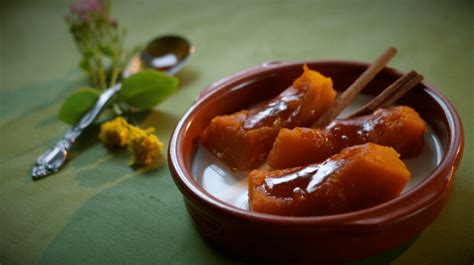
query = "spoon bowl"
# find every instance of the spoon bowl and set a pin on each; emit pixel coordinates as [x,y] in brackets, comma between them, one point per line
[167,53]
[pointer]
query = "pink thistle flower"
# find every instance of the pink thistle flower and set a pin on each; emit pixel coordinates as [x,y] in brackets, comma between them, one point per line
[84,9]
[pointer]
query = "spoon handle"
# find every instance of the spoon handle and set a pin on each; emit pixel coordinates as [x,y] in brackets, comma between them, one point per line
[53,159]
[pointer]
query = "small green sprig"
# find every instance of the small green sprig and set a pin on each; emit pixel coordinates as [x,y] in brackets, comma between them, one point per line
[100,39]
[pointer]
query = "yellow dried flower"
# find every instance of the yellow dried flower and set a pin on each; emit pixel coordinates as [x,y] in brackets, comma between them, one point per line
[144,146]
[115,133]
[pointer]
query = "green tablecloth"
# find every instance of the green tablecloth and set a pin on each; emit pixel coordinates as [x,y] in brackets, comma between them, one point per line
[99,211]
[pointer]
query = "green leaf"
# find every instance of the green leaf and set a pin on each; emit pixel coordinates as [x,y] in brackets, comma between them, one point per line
[76,105]
[88,53]
[147,88]
[107,51]
[85,65]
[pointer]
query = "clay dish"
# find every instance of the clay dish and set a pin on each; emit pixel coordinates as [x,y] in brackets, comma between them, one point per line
[307,240]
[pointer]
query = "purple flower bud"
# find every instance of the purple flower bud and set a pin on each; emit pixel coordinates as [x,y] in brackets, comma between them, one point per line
[85,8]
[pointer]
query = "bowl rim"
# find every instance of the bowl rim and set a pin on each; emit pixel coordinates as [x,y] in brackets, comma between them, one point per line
[423,195]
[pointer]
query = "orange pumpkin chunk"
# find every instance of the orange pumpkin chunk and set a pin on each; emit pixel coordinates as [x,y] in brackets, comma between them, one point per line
[243,139]
[399,127]
[359,177]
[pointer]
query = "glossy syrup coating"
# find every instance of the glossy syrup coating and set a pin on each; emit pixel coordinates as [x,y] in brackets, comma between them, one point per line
[360,176]
[399,127]
[243,139]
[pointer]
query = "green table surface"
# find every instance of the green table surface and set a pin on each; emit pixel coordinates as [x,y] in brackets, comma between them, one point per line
[97,210]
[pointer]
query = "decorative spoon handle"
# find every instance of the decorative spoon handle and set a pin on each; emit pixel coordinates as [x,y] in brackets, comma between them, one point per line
[53,159]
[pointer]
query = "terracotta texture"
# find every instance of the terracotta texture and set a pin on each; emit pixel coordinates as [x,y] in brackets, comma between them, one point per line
[307,240]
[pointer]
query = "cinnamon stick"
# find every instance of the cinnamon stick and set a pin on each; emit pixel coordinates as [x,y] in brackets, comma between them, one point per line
[392,93]
[402,91]
[345,98]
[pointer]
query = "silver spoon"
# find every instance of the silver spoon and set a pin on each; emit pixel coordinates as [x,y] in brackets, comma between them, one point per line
[167,53]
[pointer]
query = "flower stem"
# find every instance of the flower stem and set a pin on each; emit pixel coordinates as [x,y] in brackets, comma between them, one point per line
[116,68]
[118,111]
[100,71]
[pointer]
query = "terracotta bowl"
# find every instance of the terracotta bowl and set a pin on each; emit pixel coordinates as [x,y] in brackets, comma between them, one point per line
[327,239]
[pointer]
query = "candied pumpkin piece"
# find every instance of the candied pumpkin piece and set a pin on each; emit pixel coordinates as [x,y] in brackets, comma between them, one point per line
[239,148]
[359,177]
[243,139]
[399,127]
